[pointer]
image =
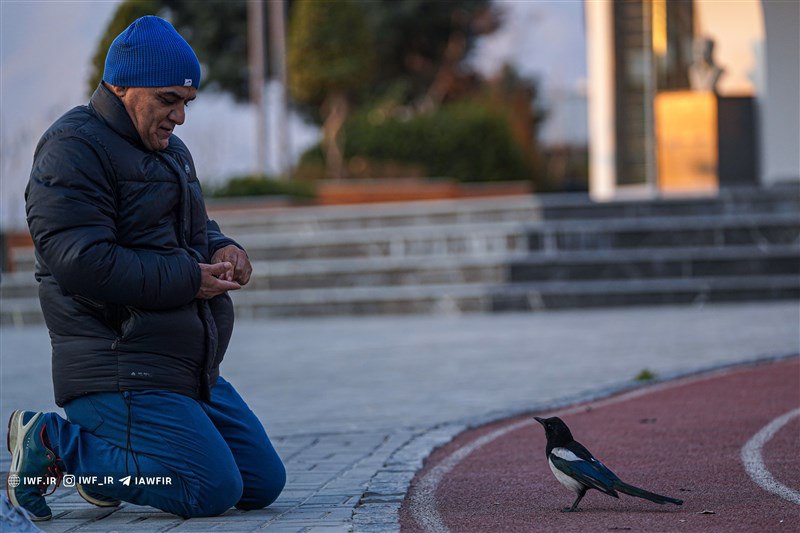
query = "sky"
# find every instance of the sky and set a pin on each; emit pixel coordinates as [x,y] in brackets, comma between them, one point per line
[46,49]
[544,40]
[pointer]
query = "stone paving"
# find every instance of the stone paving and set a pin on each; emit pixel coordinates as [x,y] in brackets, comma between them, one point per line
[354,405]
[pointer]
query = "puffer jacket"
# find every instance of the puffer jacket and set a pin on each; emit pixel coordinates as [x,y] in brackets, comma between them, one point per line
[119,232]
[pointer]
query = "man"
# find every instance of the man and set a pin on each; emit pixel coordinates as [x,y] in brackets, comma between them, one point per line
[133,281]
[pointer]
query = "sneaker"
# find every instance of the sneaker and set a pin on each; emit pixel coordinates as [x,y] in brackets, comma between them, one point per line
[31,456]
[96,499]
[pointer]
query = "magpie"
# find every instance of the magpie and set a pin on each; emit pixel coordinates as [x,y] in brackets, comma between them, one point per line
[578,470]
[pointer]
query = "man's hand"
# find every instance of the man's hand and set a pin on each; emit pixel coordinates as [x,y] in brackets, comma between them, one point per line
[211,282]
[240,273]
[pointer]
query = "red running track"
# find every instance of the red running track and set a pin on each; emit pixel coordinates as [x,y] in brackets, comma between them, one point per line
[682,439]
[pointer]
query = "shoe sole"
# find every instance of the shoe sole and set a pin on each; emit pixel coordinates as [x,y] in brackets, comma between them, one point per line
[12,432]
[17,430]
[95,501]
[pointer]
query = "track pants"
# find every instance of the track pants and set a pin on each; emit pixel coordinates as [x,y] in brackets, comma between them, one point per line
[183,456]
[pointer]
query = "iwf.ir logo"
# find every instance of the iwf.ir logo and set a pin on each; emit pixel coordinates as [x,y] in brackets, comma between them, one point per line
[13,481]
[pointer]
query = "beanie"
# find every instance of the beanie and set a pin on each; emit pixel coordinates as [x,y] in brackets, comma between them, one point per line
[150,53]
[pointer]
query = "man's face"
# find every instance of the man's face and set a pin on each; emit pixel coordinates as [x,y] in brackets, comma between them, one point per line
[155,111]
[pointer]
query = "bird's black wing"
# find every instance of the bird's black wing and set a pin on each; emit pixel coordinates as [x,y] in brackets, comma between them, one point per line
[591,472]
[578,449]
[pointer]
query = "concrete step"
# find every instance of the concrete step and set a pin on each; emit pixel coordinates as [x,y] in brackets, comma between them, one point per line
[481,297]
[716,231]
[518,267]
[631,292]
[510,237]
[300,220]
[380,271]
[302,274]
[487,255]
[501,268]
[18,285]
[548,207]
[458,298]
[455,239]
[22,259]
[745,201]
[384,224]
[645,263]
[21,311]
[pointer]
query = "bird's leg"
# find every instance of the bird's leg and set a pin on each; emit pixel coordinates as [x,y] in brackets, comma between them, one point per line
[574,508]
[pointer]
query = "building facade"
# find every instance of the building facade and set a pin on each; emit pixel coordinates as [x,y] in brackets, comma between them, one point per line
[659,123]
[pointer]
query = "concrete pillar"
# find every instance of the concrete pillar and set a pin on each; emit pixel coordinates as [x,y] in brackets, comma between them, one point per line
[255,52]
[600,66]
[780,106]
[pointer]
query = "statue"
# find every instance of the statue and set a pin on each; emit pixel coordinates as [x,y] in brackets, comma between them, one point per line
[704,74]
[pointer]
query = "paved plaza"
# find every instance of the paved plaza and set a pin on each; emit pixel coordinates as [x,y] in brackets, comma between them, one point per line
[354,405]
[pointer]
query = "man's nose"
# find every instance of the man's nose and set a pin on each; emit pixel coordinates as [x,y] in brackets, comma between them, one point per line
[178,115]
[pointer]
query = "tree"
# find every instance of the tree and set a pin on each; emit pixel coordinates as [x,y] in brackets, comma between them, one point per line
[419,41]
[330,63]
[423,43]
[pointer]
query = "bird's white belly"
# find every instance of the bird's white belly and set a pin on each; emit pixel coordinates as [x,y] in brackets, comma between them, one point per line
[571,484]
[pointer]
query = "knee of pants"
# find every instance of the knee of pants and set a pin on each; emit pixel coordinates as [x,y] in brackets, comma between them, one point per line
[215,496]
[264,491]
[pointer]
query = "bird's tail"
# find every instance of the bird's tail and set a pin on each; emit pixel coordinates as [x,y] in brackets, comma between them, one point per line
[630,490]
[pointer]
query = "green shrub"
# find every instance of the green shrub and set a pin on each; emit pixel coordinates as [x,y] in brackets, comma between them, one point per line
[465,141]
[645,375]
[259,185]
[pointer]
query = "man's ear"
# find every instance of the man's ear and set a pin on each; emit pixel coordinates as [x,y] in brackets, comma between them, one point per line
[119,91]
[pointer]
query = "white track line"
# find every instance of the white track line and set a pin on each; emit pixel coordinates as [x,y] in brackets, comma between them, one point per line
[754,462]
[422,498]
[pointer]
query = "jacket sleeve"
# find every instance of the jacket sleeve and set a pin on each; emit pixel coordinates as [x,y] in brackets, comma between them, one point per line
[217,240]
[71,211]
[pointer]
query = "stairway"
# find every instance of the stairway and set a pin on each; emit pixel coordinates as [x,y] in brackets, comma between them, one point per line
[502,254]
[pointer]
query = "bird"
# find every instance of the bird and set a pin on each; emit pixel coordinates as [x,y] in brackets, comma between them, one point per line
[579,471]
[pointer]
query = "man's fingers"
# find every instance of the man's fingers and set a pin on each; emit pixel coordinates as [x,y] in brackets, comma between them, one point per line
[243,268]
[239,267]
[223,285]
[218,269]
[234,260]
[214,287]
[228,276]
[247,271]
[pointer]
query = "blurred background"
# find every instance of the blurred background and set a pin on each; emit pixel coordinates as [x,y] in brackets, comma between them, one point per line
[410,156]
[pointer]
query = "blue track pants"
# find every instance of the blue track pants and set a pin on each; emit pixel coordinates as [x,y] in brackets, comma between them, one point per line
[184,456]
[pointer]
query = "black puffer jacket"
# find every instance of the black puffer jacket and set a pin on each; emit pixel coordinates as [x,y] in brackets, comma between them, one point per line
[119,232]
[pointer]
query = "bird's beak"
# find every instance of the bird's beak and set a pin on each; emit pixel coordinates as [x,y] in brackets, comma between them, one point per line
[540,420]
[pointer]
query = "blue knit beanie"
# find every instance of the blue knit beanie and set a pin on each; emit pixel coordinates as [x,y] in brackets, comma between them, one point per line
[150,53]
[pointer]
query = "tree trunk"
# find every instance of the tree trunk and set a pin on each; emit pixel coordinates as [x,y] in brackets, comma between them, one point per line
[334,109]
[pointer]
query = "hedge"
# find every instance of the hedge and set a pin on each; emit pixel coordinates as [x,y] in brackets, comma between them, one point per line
[464,141]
